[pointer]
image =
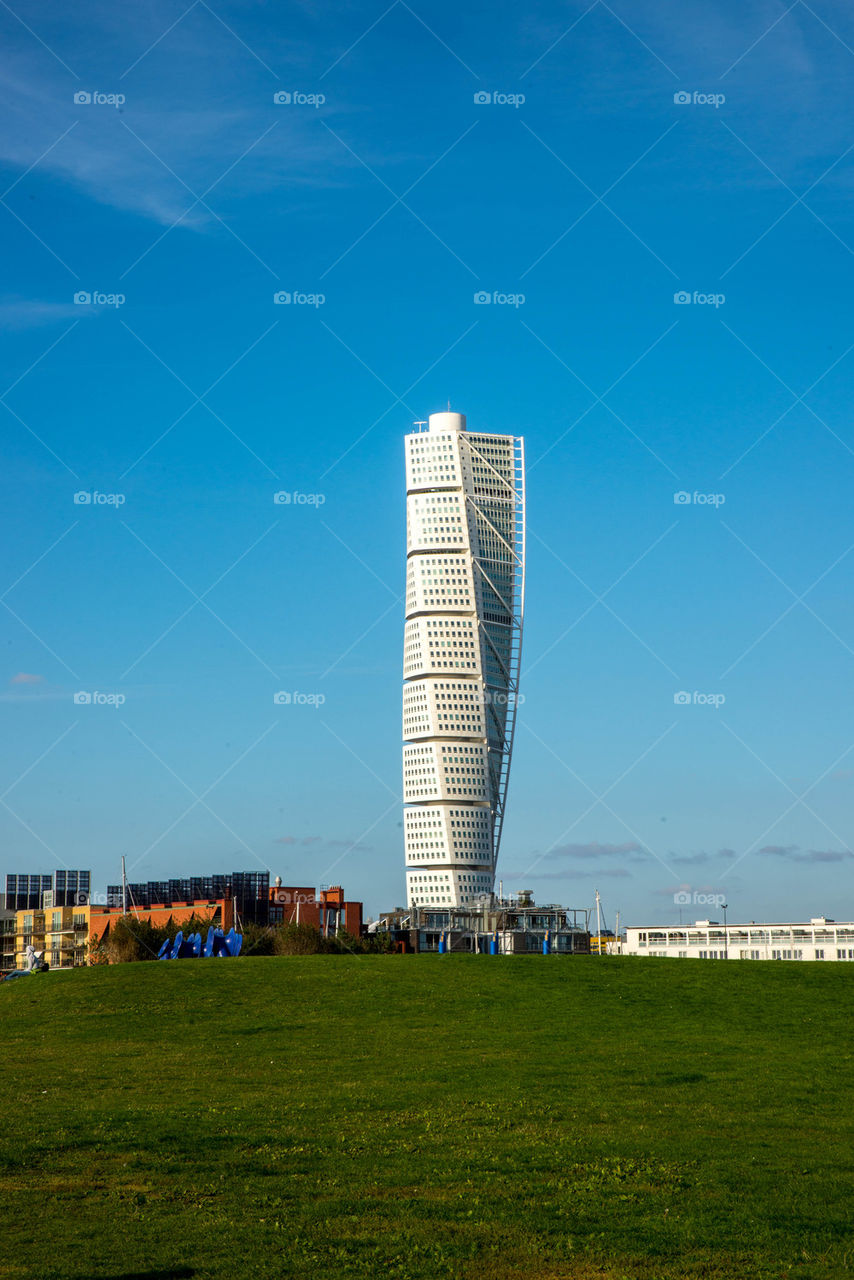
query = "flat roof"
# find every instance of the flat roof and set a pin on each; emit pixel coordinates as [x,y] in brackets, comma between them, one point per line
[750,924]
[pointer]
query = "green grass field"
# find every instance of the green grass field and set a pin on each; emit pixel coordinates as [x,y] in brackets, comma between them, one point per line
[428,1116]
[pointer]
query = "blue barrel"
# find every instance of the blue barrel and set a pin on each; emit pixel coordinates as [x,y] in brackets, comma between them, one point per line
[546,944]
[493,945]
[442,943]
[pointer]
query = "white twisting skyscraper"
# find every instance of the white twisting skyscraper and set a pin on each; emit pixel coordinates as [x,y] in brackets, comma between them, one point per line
[465,592]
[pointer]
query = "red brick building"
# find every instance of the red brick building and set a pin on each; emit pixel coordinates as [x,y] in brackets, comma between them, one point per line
[325,909]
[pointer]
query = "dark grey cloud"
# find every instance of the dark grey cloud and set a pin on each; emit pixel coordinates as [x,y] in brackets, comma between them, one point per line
[699,858]
[593,850]
[613,873]
[793,853]
[318,843]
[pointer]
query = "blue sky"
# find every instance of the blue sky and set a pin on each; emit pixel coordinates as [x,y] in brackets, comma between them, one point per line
[386,195]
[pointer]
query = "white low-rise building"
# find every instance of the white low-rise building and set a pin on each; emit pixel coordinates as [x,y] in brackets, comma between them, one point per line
[818,939]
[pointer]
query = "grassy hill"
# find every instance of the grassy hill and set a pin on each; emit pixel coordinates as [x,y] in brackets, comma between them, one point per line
[426,1116]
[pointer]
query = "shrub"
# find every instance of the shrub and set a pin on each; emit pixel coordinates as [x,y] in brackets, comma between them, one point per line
[298,940]
[379,943]
[345,943]
[258,940]
[133,938]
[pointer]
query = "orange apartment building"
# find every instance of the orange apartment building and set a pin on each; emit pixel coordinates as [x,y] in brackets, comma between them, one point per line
[219,912]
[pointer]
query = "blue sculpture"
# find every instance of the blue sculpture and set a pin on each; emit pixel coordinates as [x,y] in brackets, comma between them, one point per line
[215,944]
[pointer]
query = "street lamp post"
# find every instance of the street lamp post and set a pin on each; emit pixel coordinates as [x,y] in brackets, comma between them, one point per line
[726,936]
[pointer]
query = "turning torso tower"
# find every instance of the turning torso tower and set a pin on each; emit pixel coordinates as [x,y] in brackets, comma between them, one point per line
[465,593]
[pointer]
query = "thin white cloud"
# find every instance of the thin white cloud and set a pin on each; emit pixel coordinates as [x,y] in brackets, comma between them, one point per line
[192,140]
[33,313]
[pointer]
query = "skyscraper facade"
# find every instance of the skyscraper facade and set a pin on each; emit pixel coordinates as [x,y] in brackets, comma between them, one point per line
[465,593]
[66,888]
[24,891]
[249,890]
